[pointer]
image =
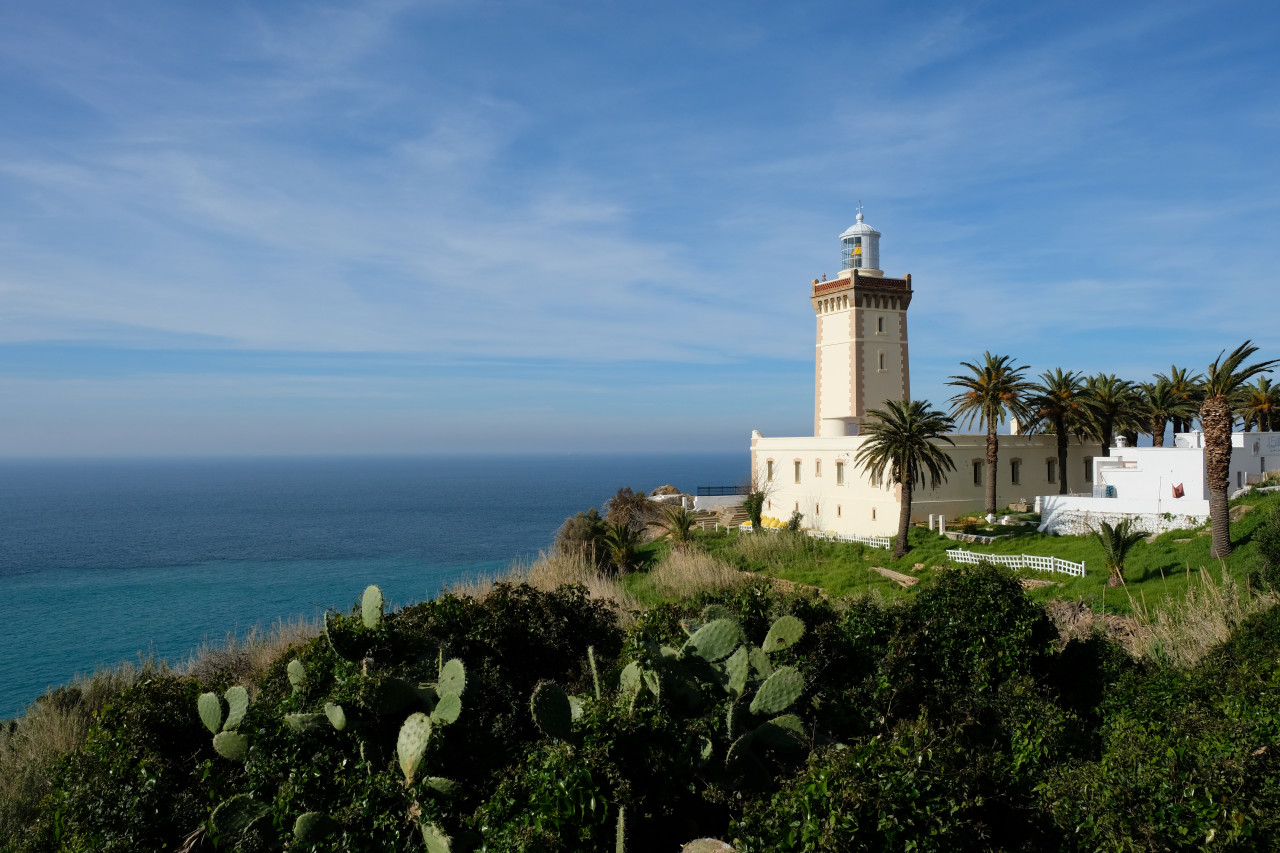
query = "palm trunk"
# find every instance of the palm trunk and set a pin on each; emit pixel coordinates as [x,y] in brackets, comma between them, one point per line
[1157,431]
[993,451]
[1108,438]
[1061,426]
[1216,418]
[904,518]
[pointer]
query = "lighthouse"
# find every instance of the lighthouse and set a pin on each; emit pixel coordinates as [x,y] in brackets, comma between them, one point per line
[861,358]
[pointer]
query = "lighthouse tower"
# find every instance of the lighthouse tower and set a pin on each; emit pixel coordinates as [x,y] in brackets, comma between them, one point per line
[862,337]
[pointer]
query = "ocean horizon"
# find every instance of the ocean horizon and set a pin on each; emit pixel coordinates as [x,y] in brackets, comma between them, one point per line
[107,560]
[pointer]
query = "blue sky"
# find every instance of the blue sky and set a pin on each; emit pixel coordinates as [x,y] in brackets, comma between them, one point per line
[469,226]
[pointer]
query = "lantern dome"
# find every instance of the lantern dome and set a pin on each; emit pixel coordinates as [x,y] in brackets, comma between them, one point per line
[860,248]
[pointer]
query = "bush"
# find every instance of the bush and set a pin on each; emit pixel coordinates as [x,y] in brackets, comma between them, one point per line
[583,535]
[1267,535]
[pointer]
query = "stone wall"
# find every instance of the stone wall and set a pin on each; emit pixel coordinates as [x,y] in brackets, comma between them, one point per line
[1083,522]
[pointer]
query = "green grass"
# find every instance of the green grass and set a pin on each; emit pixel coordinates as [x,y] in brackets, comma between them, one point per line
[1154,572]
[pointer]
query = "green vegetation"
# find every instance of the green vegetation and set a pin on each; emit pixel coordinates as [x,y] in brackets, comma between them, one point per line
[952,715]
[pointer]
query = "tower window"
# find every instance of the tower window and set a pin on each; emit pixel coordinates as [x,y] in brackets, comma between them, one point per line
[879,325]
[768,470]
[797,470]
[873,513]
[839,473]
[881,368]
[817,467]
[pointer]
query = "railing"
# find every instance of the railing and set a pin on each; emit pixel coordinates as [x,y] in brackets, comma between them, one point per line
[873,541]
[722,491]
[827,535]
[1019,561]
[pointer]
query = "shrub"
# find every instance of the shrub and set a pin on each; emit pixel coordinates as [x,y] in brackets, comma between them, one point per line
[583,535]
[1267,535]
[631,508]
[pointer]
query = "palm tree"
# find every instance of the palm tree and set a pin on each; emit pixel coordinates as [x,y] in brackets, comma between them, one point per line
[1222,384]
[677,524]
[1111,404]
[1164,404]
[621,540]
[1186,387]
[995,388]
[901,438]
[1059,405]
[1116,543]
[1260,405]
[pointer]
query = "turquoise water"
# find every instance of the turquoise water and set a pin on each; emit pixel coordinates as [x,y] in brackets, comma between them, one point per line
[103,561]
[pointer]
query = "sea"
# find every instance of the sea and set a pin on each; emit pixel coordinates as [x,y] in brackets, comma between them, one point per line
[104,561]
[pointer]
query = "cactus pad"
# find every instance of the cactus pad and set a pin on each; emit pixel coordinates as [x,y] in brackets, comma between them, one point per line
[447,710]
[551,710]
[297,675]
[785,732]
[441,784]
[705,748]
[305,722]
[231,745]
[411,745]
[739,752]
[395,695]
[437,841]
[778,691]
[714,640]
[337,716]
[760,662]
[783,634]
[234,815]
[631,680]
[313,826]
[237,706]
[371,607]
[620,842]
[733,719]
[712,612]
[453,679]
[653,682]
[210,708]
[595,673]
[707,845]
[737,668]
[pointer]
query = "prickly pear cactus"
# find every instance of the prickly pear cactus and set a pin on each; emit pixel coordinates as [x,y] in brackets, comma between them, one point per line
[313,826]
[237,706]
[441,784]
[785,733]
[551,710]
[620,844]
[371,607]
[595,674]
[653,682]
[297,675]
[712,612]
[340,639]
[733,720]
[453,679]
[231,745]
[631,680]
[411,745]
[305,722]
[210,708]
[778,691]
[337,716]
[447,710]
[437,841]
[760,662]
[233,816]
[707,845]
[783,634]
[713,641]
[737,668]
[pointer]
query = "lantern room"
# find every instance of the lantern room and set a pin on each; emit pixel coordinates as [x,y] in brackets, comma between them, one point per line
[860,248]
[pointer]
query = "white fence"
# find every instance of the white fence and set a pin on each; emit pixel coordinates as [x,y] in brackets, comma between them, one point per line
[873,541]
[1019,561]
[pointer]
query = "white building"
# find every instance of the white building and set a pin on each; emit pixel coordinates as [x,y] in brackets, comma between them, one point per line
[1159,488]
[861,360]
